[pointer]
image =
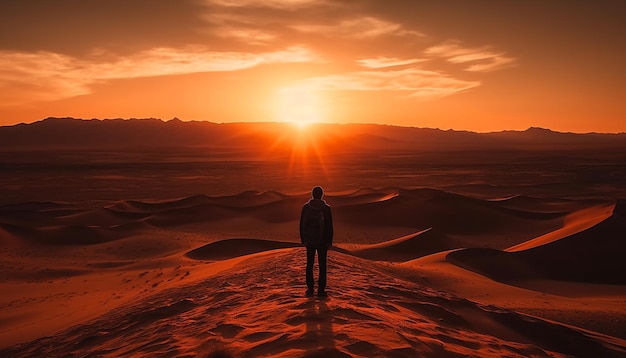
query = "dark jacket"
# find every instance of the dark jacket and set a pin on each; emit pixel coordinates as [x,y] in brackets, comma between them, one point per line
[327,237]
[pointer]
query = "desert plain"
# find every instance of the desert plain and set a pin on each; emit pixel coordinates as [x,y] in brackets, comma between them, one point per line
[181,240]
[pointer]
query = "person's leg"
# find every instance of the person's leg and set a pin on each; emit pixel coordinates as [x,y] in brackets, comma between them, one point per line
[310,260]
[322,253]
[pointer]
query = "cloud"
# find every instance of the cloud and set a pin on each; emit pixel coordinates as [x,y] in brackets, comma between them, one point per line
[266,3]
[239,27]
[193,59]
[382,62]
[30,77]
[250,36]
[494,63]
[478,59]
[49,76]
[268,22]
[422,84]
[365,27]
[279,31]
[265,22]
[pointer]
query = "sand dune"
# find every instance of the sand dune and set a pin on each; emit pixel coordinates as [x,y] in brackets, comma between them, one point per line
[594,255]
[539,205]
[466,221]
[62,235]
[459,221]
[227,249]
[572,224]
[200,274]
[406,248]
[102,217]
[256,308]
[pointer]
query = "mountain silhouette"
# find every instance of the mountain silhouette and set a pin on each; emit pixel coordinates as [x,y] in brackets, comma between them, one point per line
[71,133]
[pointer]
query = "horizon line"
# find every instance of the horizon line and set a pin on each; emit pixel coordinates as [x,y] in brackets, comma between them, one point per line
[175,118]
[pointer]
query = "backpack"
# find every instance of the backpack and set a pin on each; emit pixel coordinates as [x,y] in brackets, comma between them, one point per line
[313,226]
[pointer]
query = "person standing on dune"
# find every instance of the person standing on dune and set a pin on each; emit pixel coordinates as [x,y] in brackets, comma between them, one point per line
[316,233]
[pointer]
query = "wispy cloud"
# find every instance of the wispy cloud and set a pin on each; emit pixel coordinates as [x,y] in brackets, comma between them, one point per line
[170,61]
[481,59]
[492,64]
[418,83]
[248,35]
[241,27]
[51,76]
[267,22]
[365,27]
[383,62]
[266,3]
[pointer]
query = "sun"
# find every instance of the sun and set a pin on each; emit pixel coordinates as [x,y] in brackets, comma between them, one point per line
[306,143]
[299,106]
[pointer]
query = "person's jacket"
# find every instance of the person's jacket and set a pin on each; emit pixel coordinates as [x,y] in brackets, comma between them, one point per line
[327,237]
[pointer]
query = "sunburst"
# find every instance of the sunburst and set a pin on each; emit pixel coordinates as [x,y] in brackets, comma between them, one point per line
[299,106]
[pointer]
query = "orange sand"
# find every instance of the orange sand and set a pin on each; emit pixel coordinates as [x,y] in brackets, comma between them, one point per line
[415,273]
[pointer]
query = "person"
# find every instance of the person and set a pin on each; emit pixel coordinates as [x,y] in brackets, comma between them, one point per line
[316,233]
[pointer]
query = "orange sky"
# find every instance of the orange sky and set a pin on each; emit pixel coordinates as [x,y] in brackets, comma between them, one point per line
[470,65]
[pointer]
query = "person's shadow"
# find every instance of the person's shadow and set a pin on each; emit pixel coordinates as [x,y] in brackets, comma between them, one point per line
[319,330]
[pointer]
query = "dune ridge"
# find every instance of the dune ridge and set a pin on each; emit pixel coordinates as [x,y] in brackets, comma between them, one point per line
[249,313]
[405,248]
[230,248]
[572,223]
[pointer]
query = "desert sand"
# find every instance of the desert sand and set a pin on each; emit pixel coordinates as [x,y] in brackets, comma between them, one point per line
[415,272]
[145,237]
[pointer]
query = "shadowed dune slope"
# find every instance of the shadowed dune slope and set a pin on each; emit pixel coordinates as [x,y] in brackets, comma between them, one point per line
[539,205]
[462,217]
[226,249]
[66,234]
[572,224]
[406,248]
[241,200]
[101,217]
[594,255]
[257,308]
[462,222]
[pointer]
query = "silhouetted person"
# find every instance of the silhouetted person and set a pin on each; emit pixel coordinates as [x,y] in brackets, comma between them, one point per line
[316,233]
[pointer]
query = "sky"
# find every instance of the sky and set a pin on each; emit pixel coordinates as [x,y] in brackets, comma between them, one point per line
[450,64]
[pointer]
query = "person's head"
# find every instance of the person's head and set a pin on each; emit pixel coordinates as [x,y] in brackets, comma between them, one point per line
[317,192]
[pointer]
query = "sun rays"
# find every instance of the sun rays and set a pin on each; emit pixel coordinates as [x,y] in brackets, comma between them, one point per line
[307,149]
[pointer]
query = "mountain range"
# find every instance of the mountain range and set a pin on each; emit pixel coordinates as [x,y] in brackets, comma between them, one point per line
[71,133]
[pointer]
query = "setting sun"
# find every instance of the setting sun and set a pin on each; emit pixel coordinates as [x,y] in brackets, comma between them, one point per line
[299,106]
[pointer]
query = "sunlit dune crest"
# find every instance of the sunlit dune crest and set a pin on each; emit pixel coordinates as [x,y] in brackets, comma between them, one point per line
[572,223]
[389,196]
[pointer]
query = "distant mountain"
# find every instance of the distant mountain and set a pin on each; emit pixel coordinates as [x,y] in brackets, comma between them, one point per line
[70,133]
